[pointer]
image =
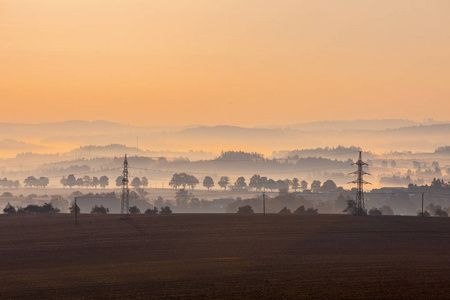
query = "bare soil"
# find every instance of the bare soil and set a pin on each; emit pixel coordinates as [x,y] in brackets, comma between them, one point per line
[226,256]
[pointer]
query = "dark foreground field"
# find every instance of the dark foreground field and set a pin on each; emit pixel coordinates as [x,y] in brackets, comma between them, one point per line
[224,256]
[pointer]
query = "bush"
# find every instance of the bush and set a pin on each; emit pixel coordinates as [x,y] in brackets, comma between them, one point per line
[302,211]
[247,209]
[99,210]
[35,209]
[375,212]
[135,210]
[285,211]
[165,210]
[9,209]
[426,213]
[387,210]
[7,195]
[153,211]
[441,213]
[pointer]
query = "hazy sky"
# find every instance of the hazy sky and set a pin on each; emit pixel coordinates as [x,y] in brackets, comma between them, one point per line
[251,62]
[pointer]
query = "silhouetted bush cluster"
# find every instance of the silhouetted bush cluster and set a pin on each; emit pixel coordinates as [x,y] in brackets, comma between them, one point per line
[302,211]
[375,212]
[165,210]
[285,210]
[99,210]
[435,210]
[134,210]
[34,209]
[247,209]
[152,211]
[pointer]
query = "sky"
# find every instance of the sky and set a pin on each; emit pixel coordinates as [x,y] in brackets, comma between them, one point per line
[233,62]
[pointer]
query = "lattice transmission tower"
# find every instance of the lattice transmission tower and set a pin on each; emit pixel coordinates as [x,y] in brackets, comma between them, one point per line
[359,205]
[125,203]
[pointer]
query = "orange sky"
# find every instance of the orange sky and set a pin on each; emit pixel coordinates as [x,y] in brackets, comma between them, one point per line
[250,62]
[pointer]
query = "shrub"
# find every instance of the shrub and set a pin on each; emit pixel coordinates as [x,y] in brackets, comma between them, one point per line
[247,209]
[375,212]
[426,213]
[9,209]
[441,213]
[285,210]
[135,210]
[35,209]
[153,211]
[165,210]
[302,211]
[99,210]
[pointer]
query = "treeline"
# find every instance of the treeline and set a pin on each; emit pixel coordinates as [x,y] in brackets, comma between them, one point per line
[256,182]
[85,181]
[30,181]
[136,182]
[31,209]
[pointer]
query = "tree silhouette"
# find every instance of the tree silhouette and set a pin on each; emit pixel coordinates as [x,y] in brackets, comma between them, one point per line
[271,184]
[134,210]
[176,181]
[191,181]
[295,184]
[99,210]
[375,212]
[208,182]
[95,182]
[329,186]
[315,185]
[285,210]
[136,182]
[144,181]
[165,210]
[9,209]
[30,181]
[247,209]
[240,183]
[150,211]
[254,182]
[87,181]
[224,181]
[119,181]
[71,181]
[104,181]
[182,197]
[304,185]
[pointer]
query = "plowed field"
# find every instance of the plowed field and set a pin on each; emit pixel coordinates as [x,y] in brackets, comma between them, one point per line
[225,256]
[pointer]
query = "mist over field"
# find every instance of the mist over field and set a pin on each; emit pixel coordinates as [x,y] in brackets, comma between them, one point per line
[60,158]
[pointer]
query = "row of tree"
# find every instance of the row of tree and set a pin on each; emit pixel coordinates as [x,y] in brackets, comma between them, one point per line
[136,182]
[32,181]
[85,181]
[31,208]
[257,182]
[301,210]
[9,183]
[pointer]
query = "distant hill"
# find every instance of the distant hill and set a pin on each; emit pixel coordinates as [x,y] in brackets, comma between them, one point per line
[354,125]
[370,135]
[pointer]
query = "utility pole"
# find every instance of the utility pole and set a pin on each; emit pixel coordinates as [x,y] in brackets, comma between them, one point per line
[422,203]
[264,202]
[359,209]
[76,212]
[125,203]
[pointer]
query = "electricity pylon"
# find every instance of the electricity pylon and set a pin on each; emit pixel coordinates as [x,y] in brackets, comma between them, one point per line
[125,203]
[359,205]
